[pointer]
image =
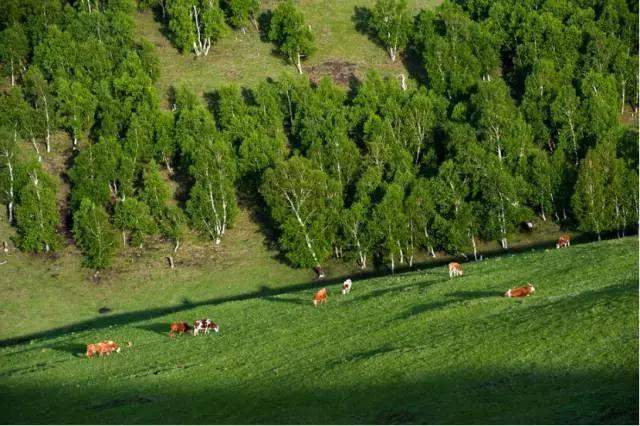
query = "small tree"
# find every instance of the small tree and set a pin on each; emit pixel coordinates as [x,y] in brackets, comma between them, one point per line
[37,213]
[76,106]
[133,217]
[391,21]
[242,11]
[94,235]
[14,48]
[195,24]
[37,87]
[390,221]
[212,202]
[289,32]
[8,152]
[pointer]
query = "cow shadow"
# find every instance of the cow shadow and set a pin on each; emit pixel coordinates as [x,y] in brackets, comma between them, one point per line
[161,328]
[292,300]
[78,350]
[480,294]
[452,298]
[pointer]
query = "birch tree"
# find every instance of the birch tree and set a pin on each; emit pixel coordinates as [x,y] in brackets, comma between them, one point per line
[290,34]
[76,108]
[298,200]
[14,48]
[38,90]
[591,203]
[391,21]
[195,24]
[37,213]
[8,160]
[212,203]
[391,223]
[132,217]
[94,234]
[240,12]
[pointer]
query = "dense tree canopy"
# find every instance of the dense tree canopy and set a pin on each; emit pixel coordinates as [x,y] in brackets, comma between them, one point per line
[517,113]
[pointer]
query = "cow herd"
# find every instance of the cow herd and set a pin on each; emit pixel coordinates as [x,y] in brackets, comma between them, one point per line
[105,348]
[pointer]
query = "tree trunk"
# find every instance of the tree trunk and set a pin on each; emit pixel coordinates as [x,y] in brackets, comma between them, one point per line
[392,54]
[622,107]
[13,79]
[11,192]
[298,63]
[475,249]
[253,21]
[177,246]
[163,9]
[48,126]
[35,146]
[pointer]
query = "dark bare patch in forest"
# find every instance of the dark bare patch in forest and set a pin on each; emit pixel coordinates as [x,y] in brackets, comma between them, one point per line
[341,72]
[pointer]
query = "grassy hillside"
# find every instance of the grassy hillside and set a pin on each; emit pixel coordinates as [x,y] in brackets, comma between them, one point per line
[245,60]
[412,348]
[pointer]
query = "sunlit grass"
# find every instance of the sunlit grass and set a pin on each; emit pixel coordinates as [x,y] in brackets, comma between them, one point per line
[412,348]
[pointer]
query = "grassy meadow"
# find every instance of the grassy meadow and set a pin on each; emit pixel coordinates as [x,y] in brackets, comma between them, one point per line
[409,348]
[245,60]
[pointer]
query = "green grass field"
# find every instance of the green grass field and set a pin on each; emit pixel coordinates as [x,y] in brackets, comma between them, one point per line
[245,60]
[411,348]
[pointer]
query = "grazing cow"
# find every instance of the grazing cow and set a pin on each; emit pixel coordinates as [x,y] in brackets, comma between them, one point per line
[179,328]
[205,325]
[320,297]
[526,226]
[563,241]
[102,348]
[455,269]
[520,291]
[346,286]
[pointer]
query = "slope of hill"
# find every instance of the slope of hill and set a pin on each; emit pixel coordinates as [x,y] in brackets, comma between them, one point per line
[245,60]
[411,348]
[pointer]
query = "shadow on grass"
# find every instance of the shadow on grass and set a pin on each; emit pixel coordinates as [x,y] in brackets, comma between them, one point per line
[78,350]
[161,328]
[489,396]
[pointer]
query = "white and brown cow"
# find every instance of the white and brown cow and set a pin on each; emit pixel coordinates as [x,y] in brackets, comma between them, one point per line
[563,241]
[455,269]
[205,325]
[346,286]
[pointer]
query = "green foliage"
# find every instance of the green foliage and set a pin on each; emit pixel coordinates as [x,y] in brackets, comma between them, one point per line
[94,234]
[239,12]
[76,107]
[14,48]
[195,24]
[391,21]
[37,213]
[133,217]
[299,198]
[289,32]
[212,203]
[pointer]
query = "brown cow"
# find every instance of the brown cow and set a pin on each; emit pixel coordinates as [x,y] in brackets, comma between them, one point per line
[455,269]
[102,348]
[520,291]
[563,241]
[179,328]
[320,297]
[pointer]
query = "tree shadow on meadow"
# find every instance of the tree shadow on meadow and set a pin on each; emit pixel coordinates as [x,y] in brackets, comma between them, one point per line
[456,396]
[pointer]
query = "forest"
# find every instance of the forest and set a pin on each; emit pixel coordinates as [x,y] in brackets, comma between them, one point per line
[516,113]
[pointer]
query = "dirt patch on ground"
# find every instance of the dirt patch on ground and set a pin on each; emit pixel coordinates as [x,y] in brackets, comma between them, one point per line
[341,72]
